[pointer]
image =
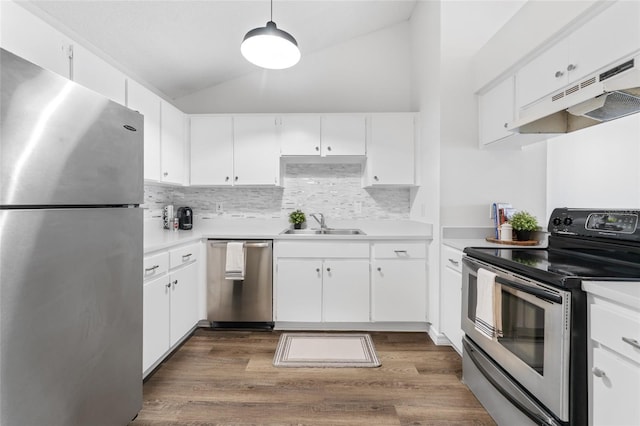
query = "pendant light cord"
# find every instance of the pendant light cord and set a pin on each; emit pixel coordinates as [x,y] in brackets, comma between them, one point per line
[271,10]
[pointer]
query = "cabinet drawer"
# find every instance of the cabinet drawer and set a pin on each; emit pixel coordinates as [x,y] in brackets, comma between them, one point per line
[322,249]
[399,250]
[155,265]
[610,325]
[183,255]
[452,258]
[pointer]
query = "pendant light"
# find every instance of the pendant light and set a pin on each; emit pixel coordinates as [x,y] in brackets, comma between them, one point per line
[270,47]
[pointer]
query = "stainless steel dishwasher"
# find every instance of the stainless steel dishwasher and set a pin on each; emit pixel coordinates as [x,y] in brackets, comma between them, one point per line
[240,303]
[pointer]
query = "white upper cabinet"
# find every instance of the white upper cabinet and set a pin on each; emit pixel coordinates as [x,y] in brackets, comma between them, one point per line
[496,112]
[300,134]
[256,152]
[609,36]
[172,138]
[391,150]
[147,103]
[29,37]
[212,150]
[343,135]
[97,75]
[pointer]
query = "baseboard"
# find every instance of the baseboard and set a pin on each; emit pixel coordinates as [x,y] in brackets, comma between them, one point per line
[343,326]
[438,338]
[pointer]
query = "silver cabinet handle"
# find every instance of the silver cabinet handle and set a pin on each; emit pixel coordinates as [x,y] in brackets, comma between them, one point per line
[632,342]
[226,179]
[400,251]
[506,125]
[318,270]
[166,174]
[328,269]
[559,74]
[236,179]
[175,283]
[153,268]
[379,269]
[168,285]
[186,256]
[376,178]
[597,372]
[571,67]
[454,262]
[328,148]
[317,148]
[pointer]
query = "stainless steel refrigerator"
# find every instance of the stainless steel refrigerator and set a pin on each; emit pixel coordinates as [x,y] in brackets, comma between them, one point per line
[71,252]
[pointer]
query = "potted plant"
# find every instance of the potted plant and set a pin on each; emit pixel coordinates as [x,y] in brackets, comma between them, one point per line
[297,218]
[523,224]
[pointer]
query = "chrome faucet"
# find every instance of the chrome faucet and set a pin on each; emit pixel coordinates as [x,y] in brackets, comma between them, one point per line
[321,221]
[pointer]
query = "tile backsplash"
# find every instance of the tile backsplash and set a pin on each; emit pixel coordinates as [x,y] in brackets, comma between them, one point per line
[333,189]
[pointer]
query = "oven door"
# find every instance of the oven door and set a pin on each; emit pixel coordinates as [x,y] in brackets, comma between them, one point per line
[534,346]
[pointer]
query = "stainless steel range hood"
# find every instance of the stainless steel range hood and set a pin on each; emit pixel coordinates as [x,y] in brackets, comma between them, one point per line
[600,97]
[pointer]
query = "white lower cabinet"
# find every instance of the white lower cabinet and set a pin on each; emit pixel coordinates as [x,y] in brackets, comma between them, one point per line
[614,358]
[399,290]
[299,290]
[170,301]
[345,291]
[451,296]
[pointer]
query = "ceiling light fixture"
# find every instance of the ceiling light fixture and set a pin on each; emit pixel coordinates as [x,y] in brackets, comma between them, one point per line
[270,47]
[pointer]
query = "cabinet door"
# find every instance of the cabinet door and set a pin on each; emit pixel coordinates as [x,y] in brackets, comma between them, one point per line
[300,135]
[299,290]
[147,103]
[343,135]
[345,291]
[27,36]
[256,151]
[399,290]
[211,150]
[452,306]
[390,153]
[615,391]
[544,74]
[589,50]
[155,329]
[496,112]
[172,144]
[184,301]
[96,74]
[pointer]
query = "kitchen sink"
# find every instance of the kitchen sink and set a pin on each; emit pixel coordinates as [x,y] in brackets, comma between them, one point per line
[328,231]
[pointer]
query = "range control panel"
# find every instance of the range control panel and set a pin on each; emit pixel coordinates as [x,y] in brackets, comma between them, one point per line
[618,224]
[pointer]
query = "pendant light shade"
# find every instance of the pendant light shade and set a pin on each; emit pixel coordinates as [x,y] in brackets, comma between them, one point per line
[270,47]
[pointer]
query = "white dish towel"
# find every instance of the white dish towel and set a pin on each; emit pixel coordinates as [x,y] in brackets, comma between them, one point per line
[488,305]
[235,263]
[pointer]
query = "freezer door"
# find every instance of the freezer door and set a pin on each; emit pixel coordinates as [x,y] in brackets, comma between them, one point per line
[63,144]
[70,316]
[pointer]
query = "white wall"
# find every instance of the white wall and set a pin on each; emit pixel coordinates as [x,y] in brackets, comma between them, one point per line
[369,73]
[471,179]
[597,167]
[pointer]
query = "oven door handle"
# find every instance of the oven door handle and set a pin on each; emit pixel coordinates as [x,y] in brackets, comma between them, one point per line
[538,292]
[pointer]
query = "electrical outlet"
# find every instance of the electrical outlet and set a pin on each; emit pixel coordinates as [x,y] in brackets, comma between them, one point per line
[357,206]
[219,208]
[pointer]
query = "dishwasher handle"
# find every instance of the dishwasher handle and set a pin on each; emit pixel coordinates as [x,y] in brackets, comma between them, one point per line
[246,244]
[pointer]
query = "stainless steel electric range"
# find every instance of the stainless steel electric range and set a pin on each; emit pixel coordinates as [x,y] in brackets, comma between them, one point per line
[535,370]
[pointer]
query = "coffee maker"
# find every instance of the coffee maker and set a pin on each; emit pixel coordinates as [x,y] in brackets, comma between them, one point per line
[185,218]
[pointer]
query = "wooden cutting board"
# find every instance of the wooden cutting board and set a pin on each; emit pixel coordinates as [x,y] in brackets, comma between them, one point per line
[513,243]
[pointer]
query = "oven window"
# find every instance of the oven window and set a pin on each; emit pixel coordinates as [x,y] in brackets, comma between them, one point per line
[523,330]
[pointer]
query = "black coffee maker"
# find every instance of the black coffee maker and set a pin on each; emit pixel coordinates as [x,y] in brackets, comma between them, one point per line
[185,218]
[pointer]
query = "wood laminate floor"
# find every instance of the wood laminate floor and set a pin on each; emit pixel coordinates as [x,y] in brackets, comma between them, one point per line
[227,377]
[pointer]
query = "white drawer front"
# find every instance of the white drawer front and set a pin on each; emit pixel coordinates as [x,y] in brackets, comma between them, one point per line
[155,265]
[617,328]
[399,250]
[322,249]
[184,255]
[452,258]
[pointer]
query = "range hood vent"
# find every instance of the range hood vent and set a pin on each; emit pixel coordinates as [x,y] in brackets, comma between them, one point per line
[605,96]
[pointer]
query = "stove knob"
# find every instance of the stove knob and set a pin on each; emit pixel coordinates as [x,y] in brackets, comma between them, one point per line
[568,221]
[557,221]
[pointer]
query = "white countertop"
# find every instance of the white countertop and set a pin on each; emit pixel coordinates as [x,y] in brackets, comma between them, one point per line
[621,292]
[157,238]
[462,237]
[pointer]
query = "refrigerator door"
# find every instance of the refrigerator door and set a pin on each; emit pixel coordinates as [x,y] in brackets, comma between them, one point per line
[63,144]
[70,316]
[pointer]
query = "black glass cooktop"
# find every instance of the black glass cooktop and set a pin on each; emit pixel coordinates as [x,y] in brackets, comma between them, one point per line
[565,268]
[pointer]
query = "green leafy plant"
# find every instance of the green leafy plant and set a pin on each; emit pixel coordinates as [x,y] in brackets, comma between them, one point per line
[523,221]
[297,217]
